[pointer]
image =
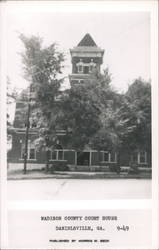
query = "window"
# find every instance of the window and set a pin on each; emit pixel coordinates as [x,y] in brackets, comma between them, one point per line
[80,69]
[31,153]
[139,157]
[53,155]
[134,157]
[57,155]
[142,157]
[113,157]
[109,157]
[9,142]
[60,155]
[91,68]
[106,156]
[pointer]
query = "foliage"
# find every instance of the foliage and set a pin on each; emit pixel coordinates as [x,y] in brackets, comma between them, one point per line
[80,116]
[92,114]
[41,64]
[136,109]
[96,116]
[42,67]
[112,129]
[11,98]
[89,114]
[59,166]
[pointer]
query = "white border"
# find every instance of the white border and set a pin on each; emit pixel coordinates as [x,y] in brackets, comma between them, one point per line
[155,126]
[3,136]
[87,6]
[82,6]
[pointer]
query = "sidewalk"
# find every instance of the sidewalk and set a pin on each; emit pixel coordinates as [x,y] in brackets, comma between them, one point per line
[42,174]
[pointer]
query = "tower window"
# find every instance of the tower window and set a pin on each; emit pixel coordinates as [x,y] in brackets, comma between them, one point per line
[80,69]
[90,68]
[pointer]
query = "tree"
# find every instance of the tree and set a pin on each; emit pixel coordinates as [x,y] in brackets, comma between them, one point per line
[89,113]
[136,110]
[42,67]
[11,98]
[112,128]
[80,116]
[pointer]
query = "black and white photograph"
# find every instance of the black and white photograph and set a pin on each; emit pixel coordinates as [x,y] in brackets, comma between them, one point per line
[79,115]
[79,97]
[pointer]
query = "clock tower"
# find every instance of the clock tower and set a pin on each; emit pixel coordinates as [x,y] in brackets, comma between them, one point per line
[87,58]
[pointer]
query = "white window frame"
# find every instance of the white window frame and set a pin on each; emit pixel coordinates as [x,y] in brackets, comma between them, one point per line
[145,157]
[28,153]
[89,65]
[57,155]
[139,156]
[114,157]
[29,149]
[92,64]
[9,142]
[91,70]
[109,157]
[106,152]
[80,64]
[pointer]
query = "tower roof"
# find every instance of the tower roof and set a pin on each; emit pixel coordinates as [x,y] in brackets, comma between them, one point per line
[87,41]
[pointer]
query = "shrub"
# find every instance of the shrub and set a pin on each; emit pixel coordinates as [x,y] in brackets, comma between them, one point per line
[133,168]
[114,168]
[59,166]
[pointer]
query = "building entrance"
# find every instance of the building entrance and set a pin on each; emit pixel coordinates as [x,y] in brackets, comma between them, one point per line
[83,158]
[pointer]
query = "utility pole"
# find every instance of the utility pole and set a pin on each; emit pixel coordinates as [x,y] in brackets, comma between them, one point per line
[27,125]
[28,122]
[26,139]
[27,133]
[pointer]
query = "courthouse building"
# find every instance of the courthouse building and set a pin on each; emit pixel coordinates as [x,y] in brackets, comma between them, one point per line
[86,57]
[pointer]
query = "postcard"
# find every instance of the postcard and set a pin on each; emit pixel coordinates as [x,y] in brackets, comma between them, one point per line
[79,125]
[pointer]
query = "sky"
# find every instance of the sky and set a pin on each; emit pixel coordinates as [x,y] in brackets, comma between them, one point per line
[124,35]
